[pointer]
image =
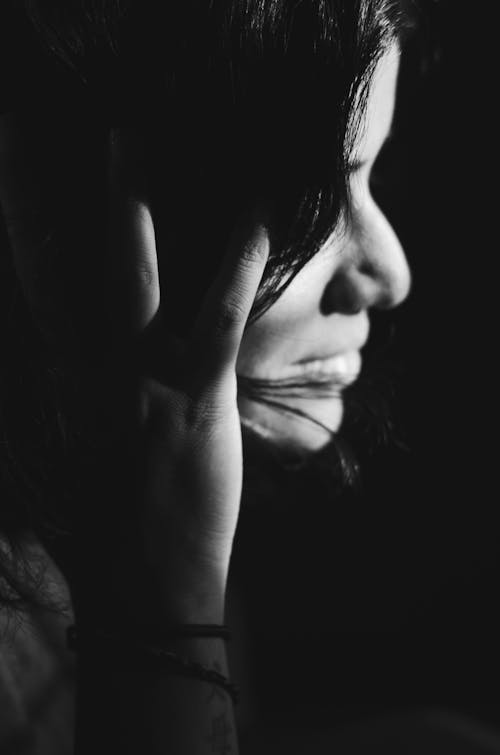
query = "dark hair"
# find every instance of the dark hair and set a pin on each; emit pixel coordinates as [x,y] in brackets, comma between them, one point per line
[288,82]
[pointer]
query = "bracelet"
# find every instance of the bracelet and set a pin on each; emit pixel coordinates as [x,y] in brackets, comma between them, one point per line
[174,663]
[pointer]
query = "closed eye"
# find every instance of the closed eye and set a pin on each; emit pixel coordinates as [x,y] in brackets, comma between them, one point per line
[355,166]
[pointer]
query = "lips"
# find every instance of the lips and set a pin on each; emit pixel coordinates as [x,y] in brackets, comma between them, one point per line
[341,369]
[336,365]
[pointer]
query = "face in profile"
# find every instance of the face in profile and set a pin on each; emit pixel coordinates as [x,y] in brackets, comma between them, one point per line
[316,330]
[313,335]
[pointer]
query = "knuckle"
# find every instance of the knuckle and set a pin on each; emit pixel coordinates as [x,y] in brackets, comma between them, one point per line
[210,403]
[146,275]
[230,312]
[255,250]
[251,257]
[201,416]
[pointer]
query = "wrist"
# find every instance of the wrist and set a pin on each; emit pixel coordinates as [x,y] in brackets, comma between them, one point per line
[145,607]
[150,588]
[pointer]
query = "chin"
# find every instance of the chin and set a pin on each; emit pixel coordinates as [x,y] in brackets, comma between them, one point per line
[290,431]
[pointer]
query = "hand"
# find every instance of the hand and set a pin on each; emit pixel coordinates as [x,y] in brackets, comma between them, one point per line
[189,420]
[176,542]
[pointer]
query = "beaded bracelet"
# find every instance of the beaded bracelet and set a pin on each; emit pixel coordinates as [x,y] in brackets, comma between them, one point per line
[176,664]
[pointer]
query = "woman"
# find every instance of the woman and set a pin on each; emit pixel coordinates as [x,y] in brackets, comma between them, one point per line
[142,467]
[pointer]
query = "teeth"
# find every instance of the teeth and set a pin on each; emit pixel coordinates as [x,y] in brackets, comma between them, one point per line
[342,367]
[334,364]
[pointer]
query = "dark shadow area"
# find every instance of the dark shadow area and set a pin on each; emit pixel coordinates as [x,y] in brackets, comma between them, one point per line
[381,606]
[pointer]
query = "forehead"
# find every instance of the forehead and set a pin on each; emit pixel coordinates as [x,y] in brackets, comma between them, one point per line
[380,105]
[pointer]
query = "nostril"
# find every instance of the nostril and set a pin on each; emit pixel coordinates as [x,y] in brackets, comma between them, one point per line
[374,272]
[345,295]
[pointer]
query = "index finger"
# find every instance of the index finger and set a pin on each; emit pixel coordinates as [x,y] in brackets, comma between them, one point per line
[221,322]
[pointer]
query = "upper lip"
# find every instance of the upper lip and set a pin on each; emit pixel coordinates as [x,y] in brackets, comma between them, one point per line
[355,331]
[354,341]
[323,355]
[341,367]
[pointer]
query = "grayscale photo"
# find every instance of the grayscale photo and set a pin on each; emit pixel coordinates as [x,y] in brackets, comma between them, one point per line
[247,414]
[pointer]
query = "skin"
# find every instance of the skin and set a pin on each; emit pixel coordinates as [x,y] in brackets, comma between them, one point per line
[325,310]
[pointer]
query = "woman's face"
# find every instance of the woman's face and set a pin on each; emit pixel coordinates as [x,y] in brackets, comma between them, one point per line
[319,325]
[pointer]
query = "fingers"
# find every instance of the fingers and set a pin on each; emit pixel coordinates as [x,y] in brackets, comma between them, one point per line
[221,322]
[136,284]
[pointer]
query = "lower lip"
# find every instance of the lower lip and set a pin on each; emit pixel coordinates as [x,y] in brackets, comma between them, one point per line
[342,369]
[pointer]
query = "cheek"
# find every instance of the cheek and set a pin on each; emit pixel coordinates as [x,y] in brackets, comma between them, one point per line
[276,337]
[281,334]
[284,335]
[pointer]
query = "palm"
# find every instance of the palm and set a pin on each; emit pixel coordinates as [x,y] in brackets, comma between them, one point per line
[194,465]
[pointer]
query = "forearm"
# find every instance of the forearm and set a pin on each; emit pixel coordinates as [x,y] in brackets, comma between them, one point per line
[129,708]
[132,702]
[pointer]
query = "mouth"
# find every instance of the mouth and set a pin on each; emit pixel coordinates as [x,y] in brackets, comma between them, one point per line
[338,370]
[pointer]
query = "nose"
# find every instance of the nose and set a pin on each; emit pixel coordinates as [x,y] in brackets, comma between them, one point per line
[373,270]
